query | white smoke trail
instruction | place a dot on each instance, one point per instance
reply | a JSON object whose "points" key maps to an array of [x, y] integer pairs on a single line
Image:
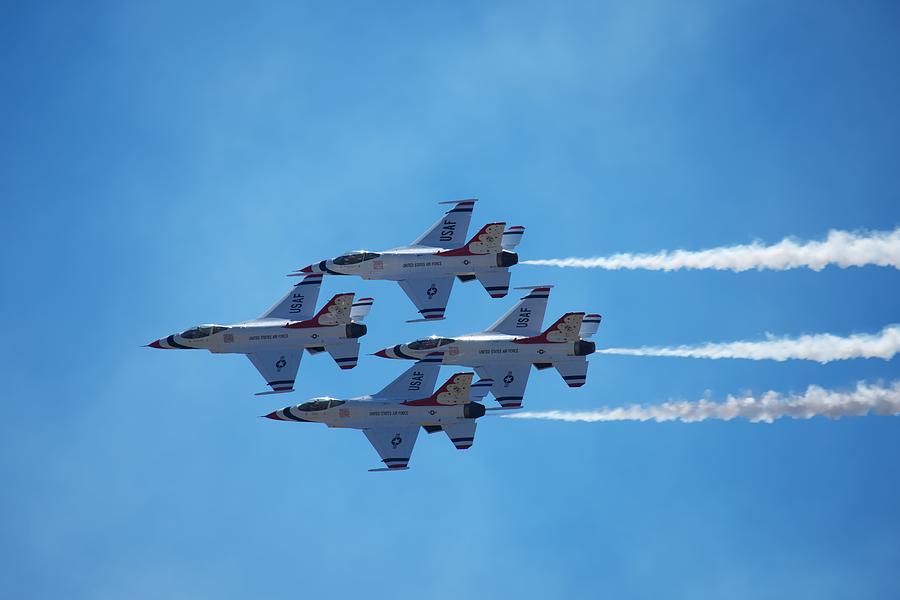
{"points": [[822, 348], [841, 248], [815, 401]]}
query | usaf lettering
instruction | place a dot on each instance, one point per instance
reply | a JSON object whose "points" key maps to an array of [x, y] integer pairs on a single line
{"points": [[415, 383], [524, 317], [296, 302], [447, 229]]}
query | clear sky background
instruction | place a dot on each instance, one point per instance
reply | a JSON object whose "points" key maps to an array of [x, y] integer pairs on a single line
{"points": [[165, 164]]}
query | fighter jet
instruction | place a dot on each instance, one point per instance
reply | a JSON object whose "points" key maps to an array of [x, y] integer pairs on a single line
{"points": [[391, 418], [426, 268], [506, 350], [275, 340]]}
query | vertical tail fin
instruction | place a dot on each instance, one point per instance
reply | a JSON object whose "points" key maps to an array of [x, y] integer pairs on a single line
{"points": [[416, 381], [450, 230], [526, 317]]}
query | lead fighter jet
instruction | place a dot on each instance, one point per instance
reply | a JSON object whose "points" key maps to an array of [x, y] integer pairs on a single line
{"points": [[275, 340], [506, 350], [426, 268], [391, 418]]}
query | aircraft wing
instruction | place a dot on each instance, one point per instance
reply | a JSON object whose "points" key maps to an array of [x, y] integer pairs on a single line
{"points": [[430, 295], [451, 229], [299, 304], [278, 368], [461, 434], [510, 380], [574, 372], [393, 444]]}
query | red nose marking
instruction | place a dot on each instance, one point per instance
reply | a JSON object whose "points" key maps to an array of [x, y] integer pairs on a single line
{"points": [[155, 344], [382, 353], [306, 269], [273, 415]]}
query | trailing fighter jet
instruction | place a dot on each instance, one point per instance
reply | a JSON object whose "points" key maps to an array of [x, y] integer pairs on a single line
{"points": [[275, 340], [506, 350], [426, 268], [391, 418]]}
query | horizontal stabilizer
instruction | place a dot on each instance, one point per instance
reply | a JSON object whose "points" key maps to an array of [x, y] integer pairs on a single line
{"points": [[360, 309], [589, 325], [461, 434], [496, 283], [345, 354], [511, 237], [481, 388], [383, 470], [573, 372]]}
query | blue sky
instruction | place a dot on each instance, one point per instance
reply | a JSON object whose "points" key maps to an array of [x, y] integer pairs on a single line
{"points": [[166, 164]]}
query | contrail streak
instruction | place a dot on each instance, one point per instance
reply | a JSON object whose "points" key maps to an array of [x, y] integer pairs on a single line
{"points": [[822, 348], [815, 401], [841, 248]]}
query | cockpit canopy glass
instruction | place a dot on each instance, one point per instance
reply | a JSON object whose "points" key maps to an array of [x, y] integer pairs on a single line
{"points": [[355, 258], [202, 331], [429, 343], [320, 404]]}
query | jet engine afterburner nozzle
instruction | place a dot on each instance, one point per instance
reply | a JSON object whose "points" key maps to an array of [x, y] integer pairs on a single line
{"points": [[473, 410], [507, 258], [356, 330], [584, 348]]}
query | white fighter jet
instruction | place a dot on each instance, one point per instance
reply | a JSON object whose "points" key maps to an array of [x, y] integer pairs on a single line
{"points": [[391, 418], [506, 350], [275, 340], [426, 268]]}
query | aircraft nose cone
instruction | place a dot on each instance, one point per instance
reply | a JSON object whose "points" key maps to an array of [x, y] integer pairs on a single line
{"points": [[307, 269], [273, 415], [155, 344], [382, 353]]}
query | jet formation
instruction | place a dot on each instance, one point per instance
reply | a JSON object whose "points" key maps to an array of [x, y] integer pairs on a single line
{"points": [[502, 354]]}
